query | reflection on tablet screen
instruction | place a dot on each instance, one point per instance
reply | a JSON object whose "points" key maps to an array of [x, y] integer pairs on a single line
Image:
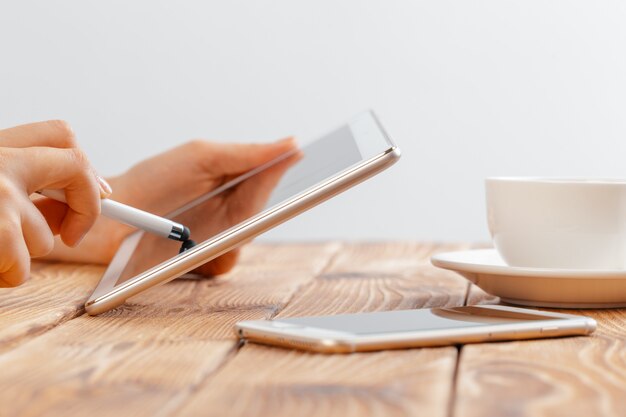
{"points": [[259, 190]]}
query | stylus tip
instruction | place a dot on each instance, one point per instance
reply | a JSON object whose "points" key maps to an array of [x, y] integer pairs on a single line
{"points": [[186, 233], [187, 244]]}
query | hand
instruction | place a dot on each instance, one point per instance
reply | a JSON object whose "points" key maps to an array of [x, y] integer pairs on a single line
{"points": [[35, 157], [167, 181], [213, 214]]}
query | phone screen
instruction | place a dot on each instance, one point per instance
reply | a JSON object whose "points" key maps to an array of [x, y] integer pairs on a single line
{"points": [[414, 320]]}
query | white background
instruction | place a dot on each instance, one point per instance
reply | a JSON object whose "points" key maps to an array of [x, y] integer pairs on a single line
{"points": [[468, 89]]}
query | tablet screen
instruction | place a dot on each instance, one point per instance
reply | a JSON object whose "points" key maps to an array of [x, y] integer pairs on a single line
{"points": [[261, 189]]}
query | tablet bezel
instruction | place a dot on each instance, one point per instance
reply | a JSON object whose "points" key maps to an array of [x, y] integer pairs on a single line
{"points": [[370, 138]]}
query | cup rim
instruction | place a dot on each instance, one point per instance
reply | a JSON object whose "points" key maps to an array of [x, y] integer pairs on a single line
{"points": [[560, 180]]}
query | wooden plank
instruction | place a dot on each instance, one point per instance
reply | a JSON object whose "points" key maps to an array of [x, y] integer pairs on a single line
{"points": [[262, 284], [266, 381], [378, 277], [477, 296], [574, 376], [263, 381], [54, 294], [146, 357]]}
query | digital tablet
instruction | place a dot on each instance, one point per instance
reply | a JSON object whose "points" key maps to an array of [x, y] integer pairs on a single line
{"points": [[275, 192]]}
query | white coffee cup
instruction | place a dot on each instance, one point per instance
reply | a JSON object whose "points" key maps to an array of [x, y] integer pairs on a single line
{"points": [[558, 223]]}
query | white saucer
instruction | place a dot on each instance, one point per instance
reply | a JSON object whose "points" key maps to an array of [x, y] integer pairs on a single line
{"points": [[561, 288]]}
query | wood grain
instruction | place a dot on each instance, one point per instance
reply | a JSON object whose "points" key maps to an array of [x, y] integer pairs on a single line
{"points": [[266, 381], [574, 376], [378, 277], [477, 296], [147, 356], [55, 293], [170, 351], [263, 381]]}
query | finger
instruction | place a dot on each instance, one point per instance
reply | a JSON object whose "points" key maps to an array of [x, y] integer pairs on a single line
{"points": [[237, 158], [52, 133], [105, 188], [53, 212], [252, 195], [256, 191], [68, 170], [14, 259], [190, 166], [37, 234], [219, 265]]}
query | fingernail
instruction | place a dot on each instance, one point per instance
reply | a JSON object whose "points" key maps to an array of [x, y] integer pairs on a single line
{"points": [[80, 239], [286, 140], [105, 188]]}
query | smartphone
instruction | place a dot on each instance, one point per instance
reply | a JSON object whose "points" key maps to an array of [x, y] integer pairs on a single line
{"points": [[347, 333]]}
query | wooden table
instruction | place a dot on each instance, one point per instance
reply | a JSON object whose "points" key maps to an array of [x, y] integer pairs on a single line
{"points": [[171, 351]]}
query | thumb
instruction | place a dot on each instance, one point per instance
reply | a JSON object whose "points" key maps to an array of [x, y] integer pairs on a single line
{"points": [[237, 158]]}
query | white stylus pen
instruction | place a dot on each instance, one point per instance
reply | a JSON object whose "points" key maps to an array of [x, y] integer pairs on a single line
{"points": [[133, 217]]}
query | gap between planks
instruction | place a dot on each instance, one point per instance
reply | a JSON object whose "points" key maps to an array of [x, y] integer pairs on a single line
{"points": [[139, 356], [264, 380], [571, 376], [55, 294], [172, 407]]}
